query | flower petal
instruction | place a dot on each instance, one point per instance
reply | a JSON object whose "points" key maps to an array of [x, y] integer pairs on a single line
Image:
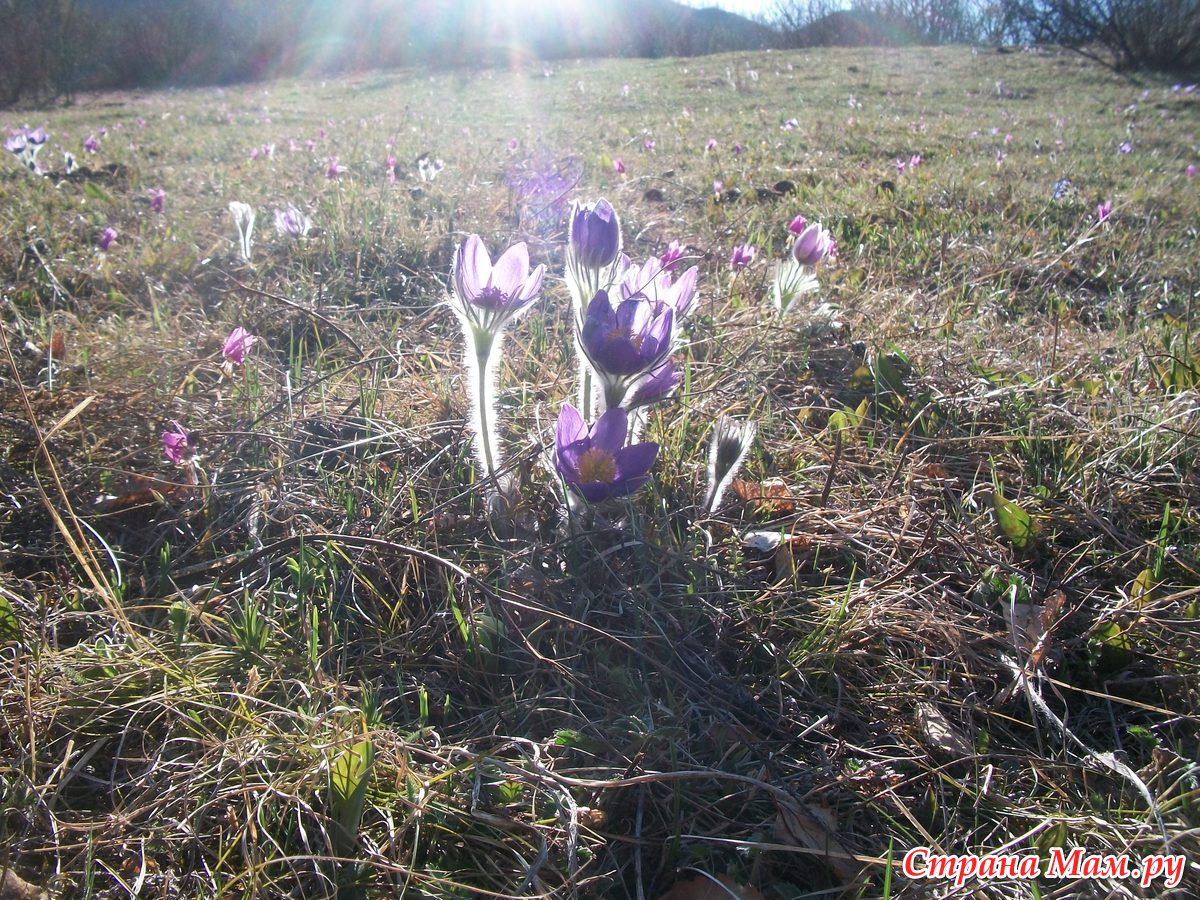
{"points": [[609, 432], [511, 269], [472, 268]]}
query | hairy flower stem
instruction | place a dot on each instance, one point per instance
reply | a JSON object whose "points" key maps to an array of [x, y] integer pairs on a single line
{"points": [[484, 347]]}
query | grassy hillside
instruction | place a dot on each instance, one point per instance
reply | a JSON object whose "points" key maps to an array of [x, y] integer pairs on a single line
{"points": [[953, 602]]}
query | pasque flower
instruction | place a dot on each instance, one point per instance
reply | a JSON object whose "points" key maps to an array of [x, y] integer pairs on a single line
{"points": [[486, 298], [595, 462], [158, 200], [237, 345], [291, 222], [727, 448], [653, 280], [1103, 210], [243, 218], [107, 238], [595, 235], [624, 343], [813, 244], [672, 255], [797, 225], [175, 443], [742, 256]]}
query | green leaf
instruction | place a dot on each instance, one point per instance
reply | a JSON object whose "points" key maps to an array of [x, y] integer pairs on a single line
{"points": [[1018, 526], [1141, 591], [96, 192], [349, 776], [1112, 648], [10, 629]]}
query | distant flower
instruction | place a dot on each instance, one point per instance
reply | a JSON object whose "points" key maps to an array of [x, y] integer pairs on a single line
{"points": [[1001, 156], [1103, 210], [648, 144], [291, 222], [671, 256], [107, 237], [618, 167], [253, 154], [900, 167], [594, 462], [1008, 138], [737, 149], [428, 168], [914, 161], [237, 345], [625, 90], [243, 218], [742, 256], [293, 145], [513, 144], [1191, 170], [653, 280], [1126, 147], [91, 145], [69, 162], [718, 187], [335, 169], [727, 447], [797, 224], [390, 169], [813, 245], [791, 125], [176, 445], [1062, 188], [852, 102], [16, 144], [711, 145], [158, 200]]}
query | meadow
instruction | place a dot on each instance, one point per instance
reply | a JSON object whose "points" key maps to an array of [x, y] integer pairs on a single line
{"points": [[951, 600]]}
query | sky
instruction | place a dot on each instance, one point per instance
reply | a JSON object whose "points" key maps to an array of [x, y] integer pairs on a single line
{"points": [[745, 7]]}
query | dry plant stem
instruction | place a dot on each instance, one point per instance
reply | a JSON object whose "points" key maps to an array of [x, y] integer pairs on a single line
{"points": [[78, 542]]}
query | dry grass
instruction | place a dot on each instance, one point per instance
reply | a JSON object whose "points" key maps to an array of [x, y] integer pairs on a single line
{"points": [[191, 670]]}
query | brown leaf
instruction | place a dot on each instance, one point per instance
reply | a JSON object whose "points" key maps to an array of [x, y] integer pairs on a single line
{"points": [[813, 827], [14, 887], [940, 734], [771, 497], [143, 491], [709, 887]]}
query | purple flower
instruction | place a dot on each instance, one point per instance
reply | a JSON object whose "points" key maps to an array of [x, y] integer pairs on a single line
{"points": [[176, 445], [595, 234], [671, 256], [158, 200], [1008, 138], [1126, 147], [91, 145], [1191, 170], [1103, 210], [654, 281], [648, 144], [629, 339], [237, 345], [513, 144], [914, 161], [657, 385], [16, 144], [742, 256], [107, 237], [710, 145], [718, 186], [737, 149], [618, 167], [813, 244], [291, 222], [335, 169], [37, 136], [491, 295], [791, 125], [797, 224], [899, 167], [594, 462]]}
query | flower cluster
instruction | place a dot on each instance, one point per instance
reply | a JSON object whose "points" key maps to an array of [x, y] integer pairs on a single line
{"points": [[797, 274], [25, 145]]}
